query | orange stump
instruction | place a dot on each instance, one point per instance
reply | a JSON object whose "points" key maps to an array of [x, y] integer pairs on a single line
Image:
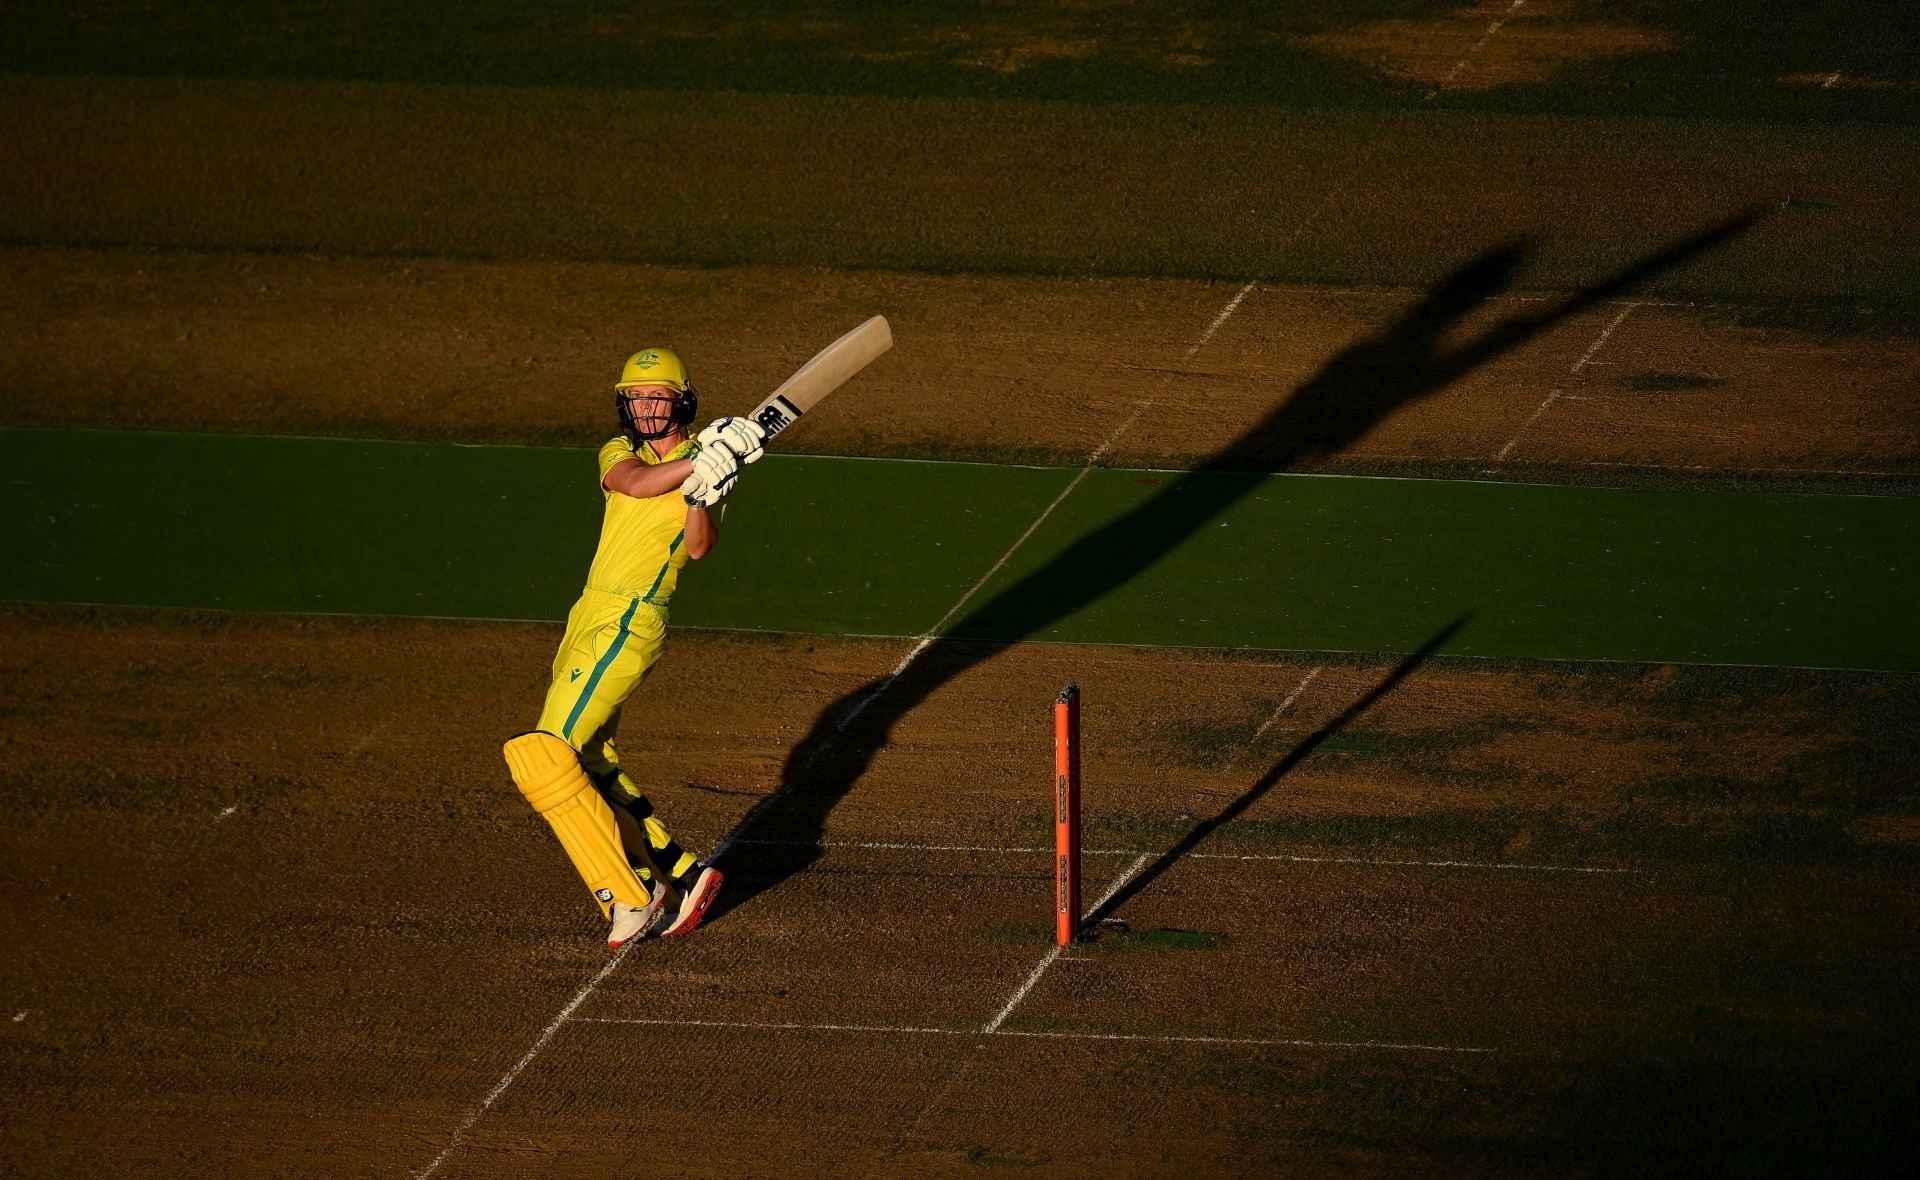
{"points": [[1066, 813]]}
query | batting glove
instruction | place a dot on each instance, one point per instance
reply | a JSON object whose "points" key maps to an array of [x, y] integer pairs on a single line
{"points": [[709, 499], [695, 492], [744, 437], [717, 468]]}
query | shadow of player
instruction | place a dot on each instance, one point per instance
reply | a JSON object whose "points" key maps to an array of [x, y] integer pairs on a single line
{"points": [[1357, 389]]}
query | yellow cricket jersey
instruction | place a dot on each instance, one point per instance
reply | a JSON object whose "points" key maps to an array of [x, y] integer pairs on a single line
{"points": [[642, 542]]}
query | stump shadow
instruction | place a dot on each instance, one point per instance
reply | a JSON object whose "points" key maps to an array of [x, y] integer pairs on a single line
{"points": [[1294, 757]]}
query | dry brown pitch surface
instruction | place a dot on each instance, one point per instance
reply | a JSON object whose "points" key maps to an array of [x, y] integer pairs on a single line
{"points": [[990, 368], [276, 910]]}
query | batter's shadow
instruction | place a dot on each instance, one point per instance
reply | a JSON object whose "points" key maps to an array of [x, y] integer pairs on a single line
{"points": [[1410, 360]]}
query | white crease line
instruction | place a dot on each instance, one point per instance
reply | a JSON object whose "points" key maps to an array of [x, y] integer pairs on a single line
{"points": [[926, 641], [1193, 350], [1586, 358], [1020, 993], [1232, 306], [1047, 961], [546, 1035], [1036, 850], [1099, 451], [926, 638], [1422, 864], [1741, 471], [897, 846], [1300, 1043], [1032, 1034], [780, 1025], [1485, 37], [1617, 302], [1291, 697], [988, 576], [1391, 457]]}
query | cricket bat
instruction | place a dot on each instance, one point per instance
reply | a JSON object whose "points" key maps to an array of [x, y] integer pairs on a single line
{"points": [[827, 371]]}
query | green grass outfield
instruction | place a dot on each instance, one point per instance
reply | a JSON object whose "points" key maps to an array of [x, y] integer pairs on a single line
{"points": [[885, 547]]}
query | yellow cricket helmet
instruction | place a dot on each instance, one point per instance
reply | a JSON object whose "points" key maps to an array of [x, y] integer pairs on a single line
{"points": [[656, 366]]}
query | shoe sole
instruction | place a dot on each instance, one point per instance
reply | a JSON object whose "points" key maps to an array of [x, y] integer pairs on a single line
{"points": [[654, 908], [705, 889], [638, 934]]}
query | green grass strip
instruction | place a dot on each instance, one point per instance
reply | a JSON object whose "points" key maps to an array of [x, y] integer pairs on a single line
{"points": [[833, 545], [1332, 563], [383, 528]]}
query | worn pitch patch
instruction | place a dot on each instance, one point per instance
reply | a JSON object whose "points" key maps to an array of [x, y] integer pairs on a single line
{"points": [[1496, 43]]}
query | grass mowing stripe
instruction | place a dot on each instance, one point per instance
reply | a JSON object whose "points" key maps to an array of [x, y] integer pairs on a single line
{"points": [[1325, 563], [287, 524], [829, 545], [945, 186], [1683, 58]]}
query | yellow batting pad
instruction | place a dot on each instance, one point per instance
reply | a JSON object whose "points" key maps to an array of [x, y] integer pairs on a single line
{"points": [[549, 774]]}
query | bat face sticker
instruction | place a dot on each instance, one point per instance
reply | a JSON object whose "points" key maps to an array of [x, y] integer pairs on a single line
{"points": [[776, 417], [826, 372]]}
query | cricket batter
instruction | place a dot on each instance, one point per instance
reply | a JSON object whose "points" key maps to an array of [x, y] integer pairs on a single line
{"points": [[663, 503]]}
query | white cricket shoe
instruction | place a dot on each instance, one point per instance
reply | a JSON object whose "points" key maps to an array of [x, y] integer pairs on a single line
{"points": [[694, 902], [631, 922]]}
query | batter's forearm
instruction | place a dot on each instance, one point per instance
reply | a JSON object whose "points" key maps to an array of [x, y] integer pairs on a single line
{"points": [[702, 533], [644, 482]]}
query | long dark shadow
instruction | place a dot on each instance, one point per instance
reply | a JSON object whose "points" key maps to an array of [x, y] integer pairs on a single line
{"points": [[1355, 391], [1294, 757]]}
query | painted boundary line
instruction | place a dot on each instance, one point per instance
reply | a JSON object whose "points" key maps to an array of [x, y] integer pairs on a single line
{"points": [[1046, 960], [1573, 374], [926, 638], [925, 641], [1285, 858], [1033, 1034], [1454, 74], [1193, 350], [1419, 864], [1734, 472], [553, 1026], [1284, 705]]}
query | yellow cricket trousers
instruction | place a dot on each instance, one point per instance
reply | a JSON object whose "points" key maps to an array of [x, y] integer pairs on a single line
{"points": [[612, 642]]}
